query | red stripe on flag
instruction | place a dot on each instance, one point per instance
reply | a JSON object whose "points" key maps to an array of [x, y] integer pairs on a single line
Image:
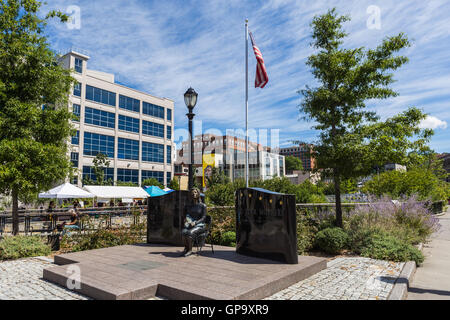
{"points": [[261, 77]]}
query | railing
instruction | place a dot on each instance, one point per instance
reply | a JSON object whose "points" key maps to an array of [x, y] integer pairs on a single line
{"points": [[42, 221]]}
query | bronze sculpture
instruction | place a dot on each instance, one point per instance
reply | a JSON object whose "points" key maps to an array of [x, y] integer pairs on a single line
{"points": [[194, 225]]}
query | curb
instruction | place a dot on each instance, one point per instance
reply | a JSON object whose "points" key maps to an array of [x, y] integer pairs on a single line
{"points": [[400, 289]]}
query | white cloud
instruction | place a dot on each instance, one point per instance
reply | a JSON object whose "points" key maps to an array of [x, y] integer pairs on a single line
{"points": [[431, 122]]}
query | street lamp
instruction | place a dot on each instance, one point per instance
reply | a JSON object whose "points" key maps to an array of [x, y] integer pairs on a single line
{"points": [[190, 99]]}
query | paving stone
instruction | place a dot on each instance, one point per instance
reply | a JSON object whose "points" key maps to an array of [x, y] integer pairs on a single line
{"points": [[22, 280], [352, 278]]}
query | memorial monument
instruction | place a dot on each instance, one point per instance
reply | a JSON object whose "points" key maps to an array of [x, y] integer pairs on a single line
{"points": [[266, 225]]}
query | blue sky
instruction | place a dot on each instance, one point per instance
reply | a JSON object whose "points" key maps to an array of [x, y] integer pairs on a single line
{"points": [[163, 47]]}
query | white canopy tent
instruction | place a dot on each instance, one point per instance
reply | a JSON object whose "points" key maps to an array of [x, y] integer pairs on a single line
{"points": [[66, 191], [117, 192]]}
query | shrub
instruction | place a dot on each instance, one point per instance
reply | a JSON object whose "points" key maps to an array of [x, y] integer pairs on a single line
{"points": [[228, 239], [332, 240], [223, 221], [409, 220], [103, 238], [387, 247], [16, 247]]}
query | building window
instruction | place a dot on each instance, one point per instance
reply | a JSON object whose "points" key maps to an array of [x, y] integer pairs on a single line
{"points": [[169, 132], [152, 110], [129, 103], [76, 138], [128, 175], [99, 117], [74, 180], [152, 152], [77, 89], [128, 149], [158, 175], [152, 129], [169, 114], [76, 112], [74, 159], [169, 154], [169, 177], [88, 172], [98, 143], [100, 95], [78, 65], [128, 124]]}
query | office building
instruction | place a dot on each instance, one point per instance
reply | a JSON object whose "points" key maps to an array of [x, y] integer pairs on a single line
{"points": [[133, 128], [303, 152], [230, 157]]}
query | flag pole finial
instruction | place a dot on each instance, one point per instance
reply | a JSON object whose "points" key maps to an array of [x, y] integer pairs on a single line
{"points": [[246, 20]]}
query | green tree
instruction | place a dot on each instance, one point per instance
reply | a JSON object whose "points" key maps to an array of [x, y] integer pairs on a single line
{"points": [[293, 163], [101, 163], [218, 176], [34, 118], [420, 181], [174, 185], [152, 182], [351, 140]]}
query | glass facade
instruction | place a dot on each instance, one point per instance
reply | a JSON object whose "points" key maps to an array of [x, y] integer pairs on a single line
{"points": [[98, 143], [152, 129], [128, 124], [128, 149], [99, 117], [77, 89], [78, 65], [152, 152], [158, 175], [169, 154], [100, 95], [76, 111], [129, 103], [128, 175], [76, 138], [74, 159], [152, 110], [88, 172]]}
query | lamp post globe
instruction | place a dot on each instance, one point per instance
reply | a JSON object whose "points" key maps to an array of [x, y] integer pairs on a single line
{"points": [[190, 99]]}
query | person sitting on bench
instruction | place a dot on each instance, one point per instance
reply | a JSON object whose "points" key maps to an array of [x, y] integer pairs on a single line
{"points": [[73, 224]]}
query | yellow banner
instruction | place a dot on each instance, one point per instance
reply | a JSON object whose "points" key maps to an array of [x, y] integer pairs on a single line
{"points": [[208, 164]]}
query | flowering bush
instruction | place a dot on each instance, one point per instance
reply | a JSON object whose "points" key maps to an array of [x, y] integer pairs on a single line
{"points": [[408, 220]]}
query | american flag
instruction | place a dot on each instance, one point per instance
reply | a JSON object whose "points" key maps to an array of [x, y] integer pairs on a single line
{"points": [[261, 77]]}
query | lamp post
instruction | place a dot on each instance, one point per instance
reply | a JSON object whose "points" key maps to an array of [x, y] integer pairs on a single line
{"points": [[190, 99]]}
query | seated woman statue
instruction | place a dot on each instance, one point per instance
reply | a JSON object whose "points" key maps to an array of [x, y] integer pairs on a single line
{"points": [[194, 222]]}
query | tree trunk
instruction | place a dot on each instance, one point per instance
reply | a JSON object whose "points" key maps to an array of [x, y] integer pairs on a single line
{"points": [[337, 194], [15, 212]]}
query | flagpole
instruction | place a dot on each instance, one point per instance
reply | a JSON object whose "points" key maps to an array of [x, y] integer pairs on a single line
{"points": [[246, 103]]}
